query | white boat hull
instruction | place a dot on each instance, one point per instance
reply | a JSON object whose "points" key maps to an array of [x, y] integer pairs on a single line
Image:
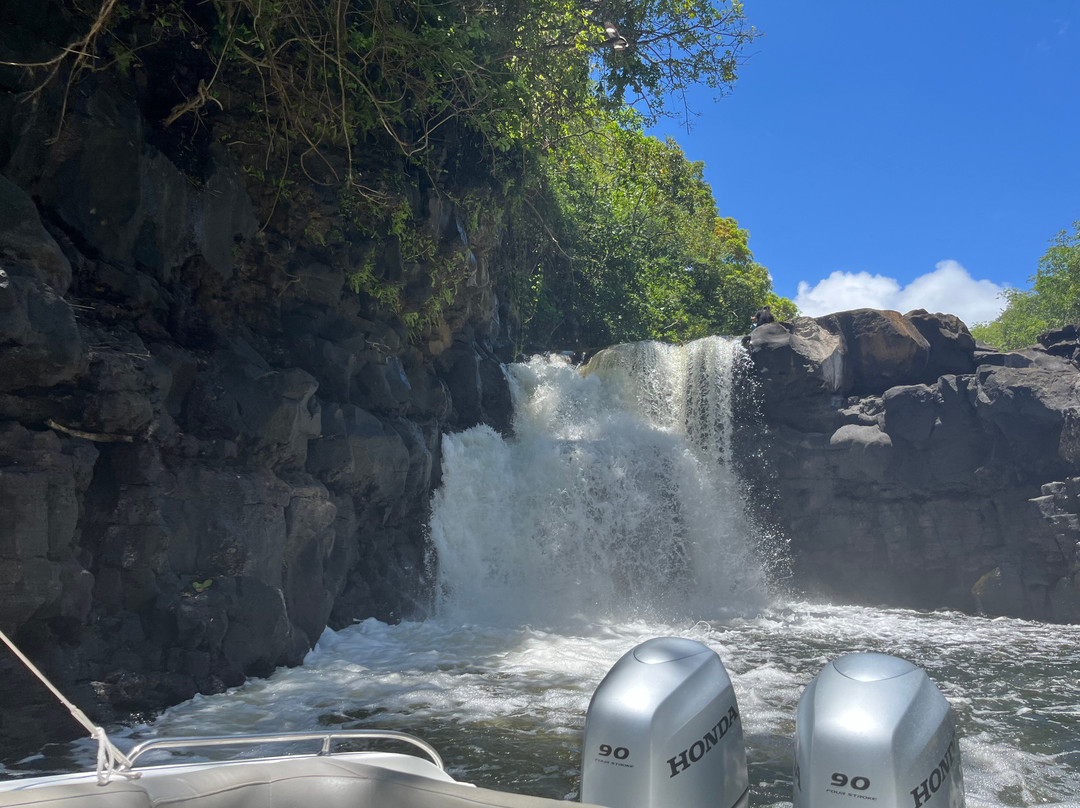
{"points": [[345, 780]]}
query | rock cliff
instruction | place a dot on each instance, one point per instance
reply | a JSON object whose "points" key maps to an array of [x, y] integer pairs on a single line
{"points": [[210, 446], [914, 467]]}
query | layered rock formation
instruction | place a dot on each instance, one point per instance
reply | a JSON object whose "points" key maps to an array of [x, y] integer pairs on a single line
{"points": [[210, 446], [913, 467]]}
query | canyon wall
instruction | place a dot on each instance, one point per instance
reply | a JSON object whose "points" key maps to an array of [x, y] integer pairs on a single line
{"points": [[211, 447], [910, 466]]}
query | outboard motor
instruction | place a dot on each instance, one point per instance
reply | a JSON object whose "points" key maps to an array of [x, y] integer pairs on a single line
{"points": [[663, 731], [873, 729]]}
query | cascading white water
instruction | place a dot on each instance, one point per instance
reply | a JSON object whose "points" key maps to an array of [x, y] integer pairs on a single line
{"points": [[615, 497]]}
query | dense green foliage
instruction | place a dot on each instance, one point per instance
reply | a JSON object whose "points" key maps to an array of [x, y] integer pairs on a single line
{"points": [[1052, 302], [515, 72], [533, 110], [637, 248]]}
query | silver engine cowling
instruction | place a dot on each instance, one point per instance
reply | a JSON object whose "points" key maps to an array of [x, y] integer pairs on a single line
{"points": [[663, 731], [873, 730]]}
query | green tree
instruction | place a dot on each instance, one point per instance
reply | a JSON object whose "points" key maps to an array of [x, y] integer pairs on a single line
{"points": [[782, 308], [1052, 301], [532, 107], [516, 72], [1057, 282], [335, 73], [630, 246]]}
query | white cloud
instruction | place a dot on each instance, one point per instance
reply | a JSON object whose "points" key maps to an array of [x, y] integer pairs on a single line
{"points": [[949, 289]]}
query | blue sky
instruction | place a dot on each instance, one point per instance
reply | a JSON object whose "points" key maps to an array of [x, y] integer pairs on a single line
{"points": [[898, 154]]}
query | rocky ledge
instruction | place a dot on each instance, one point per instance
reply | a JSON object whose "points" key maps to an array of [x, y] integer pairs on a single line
{"points": [[914, 467]]}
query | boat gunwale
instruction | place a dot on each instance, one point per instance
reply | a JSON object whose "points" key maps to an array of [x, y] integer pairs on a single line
{"points": [[327, 738]]}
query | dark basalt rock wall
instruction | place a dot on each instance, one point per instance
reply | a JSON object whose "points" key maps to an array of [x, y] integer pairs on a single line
{"points": [[210, 447], [915, 468]]}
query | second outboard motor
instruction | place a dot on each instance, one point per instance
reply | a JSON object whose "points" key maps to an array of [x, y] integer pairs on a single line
{"points": [[663, 731], [873, 729]]}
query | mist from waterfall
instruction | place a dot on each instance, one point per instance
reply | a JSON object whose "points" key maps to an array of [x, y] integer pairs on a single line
{"points": [[615, 497]]}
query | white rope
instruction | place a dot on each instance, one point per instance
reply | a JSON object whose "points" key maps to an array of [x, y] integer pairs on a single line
{"points": [[110, 760]]}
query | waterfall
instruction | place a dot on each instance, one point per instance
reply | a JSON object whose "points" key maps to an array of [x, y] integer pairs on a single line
{"points": [[615, 498]]}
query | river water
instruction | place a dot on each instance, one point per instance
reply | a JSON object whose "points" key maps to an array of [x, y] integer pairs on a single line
{"points": [[614, 516]]}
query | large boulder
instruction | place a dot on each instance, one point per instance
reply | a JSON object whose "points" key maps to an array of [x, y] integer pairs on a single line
{"points": [[804, 371], [883, 348], [40, 343], [359, 453], [808, 365], [270, 412], [226, 567], [1034, 411], [938, 478], [952, 348], [1063, 342], [478, 389], [936, 428]]}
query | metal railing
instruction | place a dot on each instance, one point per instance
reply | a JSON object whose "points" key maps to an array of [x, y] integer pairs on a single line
{"points": [[327, 739]]}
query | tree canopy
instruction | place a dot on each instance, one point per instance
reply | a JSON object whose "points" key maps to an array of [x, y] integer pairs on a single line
{"points": [[637, 250], [1052, 301], [543, 103]]}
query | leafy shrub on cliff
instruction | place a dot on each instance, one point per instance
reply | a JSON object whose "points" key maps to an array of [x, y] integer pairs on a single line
{"points": [[637, 248], [1052, 302], [378, 103]]}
